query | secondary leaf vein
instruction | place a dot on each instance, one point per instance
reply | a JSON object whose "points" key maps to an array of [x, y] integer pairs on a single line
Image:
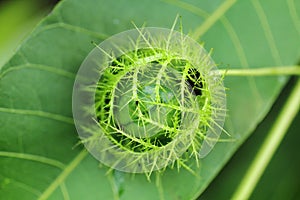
{"points": [[50, 69], [294, 15], [73, 28], [63, 175], [268, 33], [32, 157], [38, 113], [213, 18]]}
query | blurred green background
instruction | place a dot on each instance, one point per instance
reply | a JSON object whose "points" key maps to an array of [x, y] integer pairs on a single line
{"points": [[281, 180], [17, 19]]}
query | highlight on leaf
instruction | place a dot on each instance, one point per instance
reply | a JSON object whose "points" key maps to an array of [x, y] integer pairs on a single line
{"points": [[146, 99]]}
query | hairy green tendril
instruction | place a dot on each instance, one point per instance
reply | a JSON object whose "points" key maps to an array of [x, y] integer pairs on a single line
{"points": [[147, 98]]}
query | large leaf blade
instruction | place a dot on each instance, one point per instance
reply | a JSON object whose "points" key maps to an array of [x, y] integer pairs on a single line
{"points": [[36, 86]]}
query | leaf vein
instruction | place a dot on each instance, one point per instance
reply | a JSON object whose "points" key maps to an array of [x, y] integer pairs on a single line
{"points": [[63, 175], [73, 28], [32, 157], [23, 186], [267, 30], [38, 113], [294, 15], [213, 18], [51, 69], [64, 191]]}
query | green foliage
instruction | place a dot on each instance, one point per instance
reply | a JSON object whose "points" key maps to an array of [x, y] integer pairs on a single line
{"points": [[38, 152]]}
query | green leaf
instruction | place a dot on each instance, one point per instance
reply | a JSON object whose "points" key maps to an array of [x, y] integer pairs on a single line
{"points": [[272, 185], [38, 152]]}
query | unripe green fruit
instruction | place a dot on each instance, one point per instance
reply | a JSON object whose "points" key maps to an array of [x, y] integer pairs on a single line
{"points": [[145, 97]]}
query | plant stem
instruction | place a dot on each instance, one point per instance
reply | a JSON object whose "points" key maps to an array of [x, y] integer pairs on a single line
{"points": [[270, 145], [270, 71]]}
